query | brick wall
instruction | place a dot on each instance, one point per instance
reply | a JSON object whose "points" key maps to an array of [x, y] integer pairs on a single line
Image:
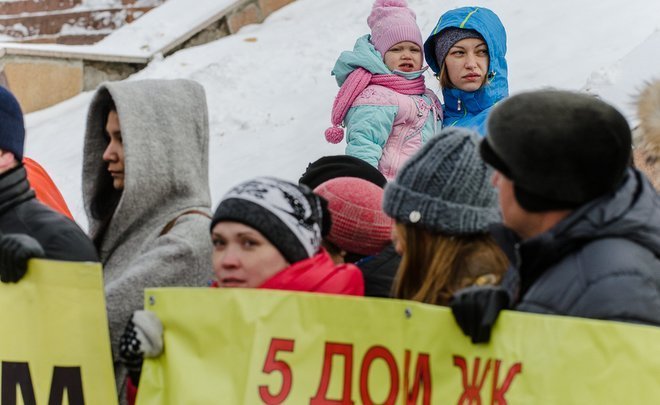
{"points": [[64, 21], [252, 12], [40, 81]]}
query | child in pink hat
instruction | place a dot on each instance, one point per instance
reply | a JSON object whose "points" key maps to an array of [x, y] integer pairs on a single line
{"points": [[387, 110]]}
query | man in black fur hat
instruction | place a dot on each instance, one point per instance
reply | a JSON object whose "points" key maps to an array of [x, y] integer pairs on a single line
{"points": [[581, 227]]}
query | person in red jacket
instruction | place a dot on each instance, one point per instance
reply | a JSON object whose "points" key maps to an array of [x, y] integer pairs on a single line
{"points": [[266, 233], [44, 188]]}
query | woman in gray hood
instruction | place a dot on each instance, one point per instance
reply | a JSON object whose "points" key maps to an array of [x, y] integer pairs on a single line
{"points": [[146, 192]]}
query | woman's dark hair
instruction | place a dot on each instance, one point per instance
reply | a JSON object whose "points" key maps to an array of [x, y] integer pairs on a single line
{"points": [[105, 200], [103, 204]]}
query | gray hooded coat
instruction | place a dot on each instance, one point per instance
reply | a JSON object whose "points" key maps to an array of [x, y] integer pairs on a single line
{"points": [[164, 126]]}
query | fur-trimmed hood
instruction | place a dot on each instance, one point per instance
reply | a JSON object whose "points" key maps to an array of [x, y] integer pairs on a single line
{"points": [[648, 110], [647, 152]]}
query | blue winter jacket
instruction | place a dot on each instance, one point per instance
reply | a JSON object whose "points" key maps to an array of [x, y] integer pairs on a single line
{"points": [[470, 109], [368, 127]]}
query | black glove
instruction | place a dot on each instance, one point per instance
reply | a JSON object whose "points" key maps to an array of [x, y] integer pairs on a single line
{"points": [[142, 337], [15, 251], [476, 309]]}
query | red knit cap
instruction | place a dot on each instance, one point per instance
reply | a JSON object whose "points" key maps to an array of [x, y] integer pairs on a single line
{"points": [[359, 224]]}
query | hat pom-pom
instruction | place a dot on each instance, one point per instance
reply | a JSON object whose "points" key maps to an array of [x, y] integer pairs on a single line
{"points": [[390, 3], [334, 134]]}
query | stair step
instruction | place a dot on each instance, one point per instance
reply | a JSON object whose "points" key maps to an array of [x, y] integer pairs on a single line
{"points": [[30, 6], [51, 23]]}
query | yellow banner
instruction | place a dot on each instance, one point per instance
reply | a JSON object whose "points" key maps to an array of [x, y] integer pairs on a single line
{"points": [[239, 346], [54, 344]]}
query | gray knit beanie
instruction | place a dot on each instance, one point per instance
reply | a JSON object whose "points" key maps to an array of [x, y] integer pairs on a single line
{"points": [[448, 38], [290, 216], [445, 187]]}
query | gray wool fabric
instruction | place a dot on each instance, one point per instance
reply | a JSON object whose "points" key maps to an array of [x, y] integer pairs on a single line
{"points": [[448, 37], [445, 187], [164, 125]]}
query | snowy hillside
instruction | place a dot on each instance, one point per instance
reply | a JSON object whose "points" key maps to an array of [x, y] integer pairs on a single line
{"points": [[269, 87]]}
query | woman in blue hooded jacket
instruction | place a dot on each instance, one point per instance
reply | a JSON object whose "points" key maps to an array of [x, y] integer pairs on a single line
{"points": [[466, 50]]}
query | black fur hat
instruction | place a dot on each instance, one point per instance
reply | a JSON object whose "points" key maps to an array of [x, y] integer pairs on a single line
{"points": [[561, 149], [330, 167]]}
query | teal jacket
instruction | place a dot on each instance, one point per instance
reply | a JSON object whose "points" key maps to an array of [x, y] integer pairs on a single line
{"points": [[384, 127], [470, 109]]}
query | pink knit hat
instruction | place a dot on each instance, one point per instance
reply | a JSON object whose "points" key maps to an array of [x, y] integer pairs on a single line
{"points": [[359, 224], [391, 22]]}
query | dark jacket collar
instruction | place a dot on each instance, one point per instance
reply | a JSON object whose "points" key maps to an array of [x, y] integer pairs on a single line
{"points": [[631, 212], [14, 188]]}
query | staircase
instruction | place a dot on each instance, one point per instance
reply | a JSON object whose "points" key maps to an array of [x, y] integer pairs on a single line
{"points": [[69, 22], [43, 74]]}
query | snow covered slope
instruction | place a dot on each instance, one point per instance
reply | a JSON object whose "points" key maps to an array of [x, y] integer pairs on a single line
{"points": [[269, 87]]}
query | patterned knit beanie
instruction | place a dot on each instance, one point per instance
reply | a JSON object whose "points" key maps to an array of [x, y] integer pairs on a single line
{"points": [[359, 224], [445, 187], [391, 22], [289, 216], [448, 38], [12, 129]]}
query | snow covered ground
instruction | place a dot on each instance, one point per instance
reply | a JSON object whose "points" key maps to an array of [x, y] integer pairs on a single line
{"points": [[270, 92]]}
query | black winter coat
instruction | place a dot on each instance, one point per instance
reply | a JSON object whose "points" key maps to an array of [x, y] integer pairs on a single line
{"points": [[20, 212], [379, 271], [601, 262]]}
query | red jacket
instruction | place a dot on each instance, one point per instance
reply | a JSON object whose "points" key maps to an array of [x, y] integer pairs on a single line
{"points": [[318, 274], [44, 187]]}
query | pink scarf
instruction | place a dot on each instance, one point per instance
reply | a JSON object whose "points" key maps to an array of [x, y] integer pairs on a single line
{"points": [[355, 83]]}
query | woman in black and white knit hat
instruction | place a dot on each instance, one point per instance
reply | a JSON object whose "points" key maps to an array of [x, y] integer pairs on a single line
{"points": [[443, 203], [266, 233]]}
